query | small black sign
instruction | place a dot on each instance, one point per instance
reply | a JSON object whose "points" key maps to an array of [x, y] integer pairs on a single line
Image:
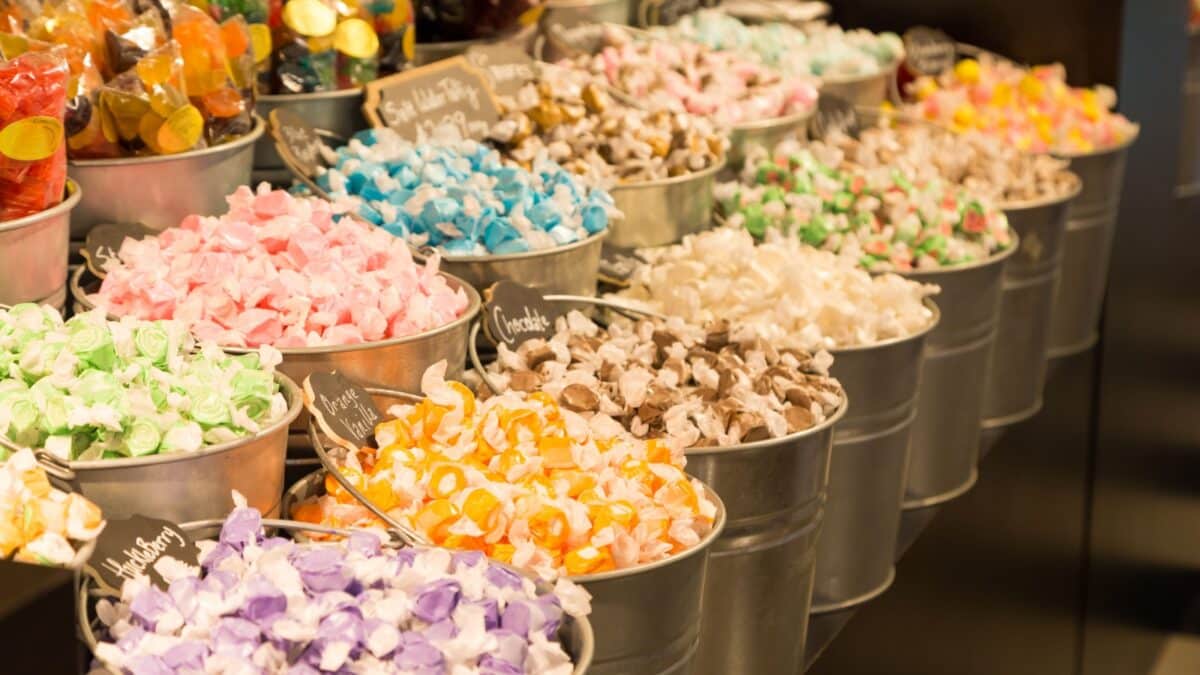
{"points": [[664, 12], [618, 263], [514, 313], [343, 410], [297, 141], [103, 243], [418, 101], [929, 51], [834, 114], [507, 67], [129, 547]]}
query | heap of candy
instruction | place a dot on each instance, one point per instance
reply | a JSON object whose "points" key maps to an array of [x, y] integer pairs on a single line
{"points": [[1033, 109], [270, 605], [96, 389], [279, 270], [700, 387], [878, 216], [795, 295], [568, 116], [145, 81], [689, 77], [524, 481], [37, 521], [822, 50], [33, 156], [459, 196]]}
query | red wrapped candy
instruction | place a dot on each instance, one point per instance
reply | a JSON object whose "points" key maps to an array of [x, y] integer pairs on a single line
{"points": [[33, 154]]}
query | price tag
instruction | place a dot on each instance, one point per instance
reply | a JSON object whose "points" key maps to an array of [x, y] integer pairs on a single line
{"points": [[928, 51], [834, 114], [343, 410], [617, 264], [665, 12], [514, 313], [129, 547], [418, 101], [103, 242], [299, 146], [507, 67]]}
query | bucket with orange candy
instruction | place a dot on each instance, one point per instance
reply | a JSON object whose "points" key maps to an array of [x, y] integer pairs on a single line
{"points": [[533, 484]]}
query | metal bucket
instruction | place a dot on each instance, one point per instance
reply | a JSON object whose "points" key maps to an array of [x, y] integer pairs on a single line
{"points": [[33, 253], [185, 486], [339, 112], [869, 91], [425, 53], [1087, 245], [568, 270], [160, 191], [866, 474], [760, 571], [397, 363], [575, 634], [1017, 370], [1188, 181], [571, 13], [765, 134], [661, 212], [944, 449]]}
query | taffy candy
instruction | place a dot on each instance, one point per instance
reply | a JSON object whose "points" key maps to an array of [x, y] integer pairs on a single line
{"points": [[699, 386], [1033, 109], [39, 523], [280, 270], [523, 480], [568, 116], [793, 294], [33, 151], [218, 69], [270, 605], [90, 388], [459, 196], [473, 19], [880, 216], [824, 50], [689, 77]]}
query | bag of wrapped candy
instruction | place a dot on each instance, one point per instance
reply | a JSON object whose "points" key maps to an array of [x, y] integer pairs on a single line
{"points": [[33, 156]]}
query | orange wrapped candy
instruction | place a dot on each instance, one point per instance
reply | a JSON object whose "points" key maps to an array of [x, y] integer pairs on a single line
{"points": [[33, 154]]}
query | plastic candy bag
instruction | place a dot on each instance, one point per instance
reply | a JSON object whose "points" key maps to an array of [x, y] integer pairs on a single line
{"points": [[33, 156]]}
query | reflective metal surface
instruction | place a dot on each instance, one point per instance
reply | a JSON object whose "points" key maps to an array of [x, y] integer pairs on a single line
{"points": [[339, 112], [661, 212], [33, 253], [568, 270], [765, 134], [570, 13], [865, 90]]}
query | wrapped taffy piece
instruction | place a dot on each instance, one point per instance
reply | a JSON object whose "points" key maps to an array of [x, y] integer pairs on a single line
{"points": [[716, 385], [39, 523], [523, 480]]}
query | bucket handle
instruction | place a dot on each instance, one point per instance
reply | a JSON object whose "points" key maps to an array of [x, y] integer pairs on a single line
{"points": [[57, 469], [627, 311]]}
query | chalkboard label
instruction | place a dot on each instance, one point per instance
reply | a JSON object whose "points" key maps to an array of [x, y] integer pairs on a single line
{"points": [[297, 141], [129, 547], [343, 410], [665, 12], [617, 264], [507, 67], [929, 51], [418, 101], [514, 313], [103, 243], [834, 114]]}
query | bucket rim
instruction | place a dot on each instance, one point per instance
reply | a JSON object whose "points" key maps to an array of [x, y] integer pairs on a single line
{"points": [[826, 425], [932, 274], [1051, 200], [245, 140], [1110, 150], [888, 70], [671, 180], [573, 4], [919, 335], [474, 304], [541, 253], [284, 99], [74, 194], [771, 123]]}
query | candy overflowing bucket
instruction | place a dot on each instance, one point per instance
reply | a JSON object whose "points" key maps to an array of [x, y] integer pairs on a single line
{"points": [[1018, 361], [569, 269], [660, 212], [33, 253], [159, 191], [339, 112], [1087, 245], [944, 449], [867, 471]]}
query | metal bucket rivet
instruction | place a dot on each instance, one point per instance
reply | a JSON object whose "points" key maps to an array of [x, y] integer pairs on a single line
{"points": [[160, 191], [1017, 370], [867, 471], [661, 212], [339, 112], [33, 253]]}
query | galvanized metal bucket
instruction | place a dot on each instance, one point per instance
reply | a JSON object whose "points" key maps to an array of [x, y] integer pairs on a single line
{"points": [[765, 134], [869, 91], [575, 634], [34, 251], [396, 363], [185, 486], [425, 53], [867, 471], [944, 449], [1018, 361], [160, 191], [559, 14], [761, 570], [661, 212], [339, 112], [569, 270], [1087, 247]]}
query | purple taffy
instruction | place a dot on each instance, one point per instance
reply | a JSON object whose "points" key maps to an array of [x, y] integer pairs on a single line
{"points": [[189, 654], [321, 569], [437, 600], [242, 527], [415, 652], [502, 577], [263, 601], [149, 606], [146, 664], [364, 543]]}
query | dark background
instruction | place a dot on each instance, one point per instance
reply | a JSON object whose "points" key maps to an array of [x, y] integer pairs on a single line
{"points": [[1079, 549]]}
